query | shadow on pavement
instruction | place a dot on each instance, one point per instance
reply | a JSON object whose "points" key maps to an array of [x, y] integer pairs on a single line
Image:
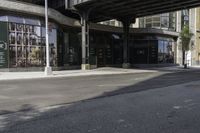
{"points": [[29, 119], [168, 79]]}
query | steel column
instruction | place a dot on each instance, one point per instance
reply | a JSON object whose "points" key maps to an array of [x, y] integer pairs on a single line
{"points": [[85, 40], [126, 29]]}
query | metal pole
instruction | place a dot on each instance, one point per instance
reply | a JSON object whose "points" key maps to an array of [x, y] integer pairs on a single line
{"points": [[48, 70], [85, 41], [126, 27]]}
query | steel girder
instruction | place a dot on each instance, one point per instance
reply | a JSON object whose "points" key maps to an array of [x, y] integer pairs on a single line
{"points": [[115, 9]]}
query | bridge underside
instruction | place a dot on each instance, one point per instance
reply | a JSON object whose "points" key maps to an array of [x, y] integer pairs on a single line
{"points": [[125, 11], [101, 10], [110, 9]]}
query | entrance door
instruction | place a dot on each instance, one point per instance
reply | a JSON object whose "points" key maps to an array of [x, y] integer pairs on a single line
{"points": [[100, 57], [141, 55]]}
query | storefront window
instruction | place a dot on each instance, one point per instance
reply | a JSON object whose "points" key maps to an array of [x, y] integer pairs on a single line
{"points": [[160, 52], [3, 18], [165, 51], [23, 40], [27, 43], [52, 44], [74, 48]]}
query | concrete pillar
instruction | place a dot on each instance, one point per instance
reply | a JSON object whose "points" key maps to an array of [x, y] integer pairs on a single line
{"points": [[85, 41], [197, 40], [179, 21], [192, 51], [179, 53], [126, 29]]}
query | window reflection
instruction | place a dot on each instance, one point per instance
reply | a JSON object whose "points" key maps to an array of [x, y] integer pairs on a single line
{"points": [[52, 44], [165, 52], [27, 43], [163, 21]]}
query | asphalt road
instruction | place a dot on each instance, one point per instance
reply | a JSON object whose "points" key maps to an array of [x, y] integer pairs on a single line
{"points": [[141, 103]]}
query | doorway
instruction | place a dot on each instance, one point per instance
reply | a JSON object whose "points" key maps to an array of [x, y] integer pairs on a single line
{"points": [[101, 57]]}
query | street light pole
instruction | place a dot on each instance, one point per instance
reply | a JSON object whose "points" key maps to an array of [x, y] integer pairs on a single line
{"points": [[198, 31], [48, 69]]}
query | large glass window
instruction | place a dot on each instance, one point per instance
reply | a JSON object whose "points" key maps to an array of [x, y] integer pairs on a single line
{"points": [[24, 45], [74, 48], [162, 21], [172, 21], [185, 18], [165, 51], [165, 20], [27, 43], [52, 44]]}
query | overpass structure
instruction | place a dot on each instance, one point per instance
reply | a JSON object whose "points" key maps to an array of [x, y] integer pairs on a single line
{"points": [[116, 9], [125, 11]]}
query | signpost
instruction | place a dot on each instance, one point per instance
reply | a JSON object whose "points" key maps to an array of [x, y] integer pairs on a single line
{"points": [[3, 55], [4, 45]]}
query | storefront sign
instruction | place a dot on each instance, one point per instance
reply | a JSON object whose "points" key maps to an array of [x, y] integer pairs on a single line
{"points": [[3, 55]]}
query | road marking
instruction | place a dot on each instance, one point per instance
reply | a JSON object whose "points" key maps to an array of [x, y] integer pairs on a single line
{"points": [[113, 85], [4, 97], [121, 121], [177, 107], [188, 100]]}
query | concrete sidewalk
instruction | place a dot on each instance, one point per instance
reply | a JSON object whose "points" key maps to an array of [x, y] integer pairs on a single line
{"points": [[99, 71], [69, 73]]}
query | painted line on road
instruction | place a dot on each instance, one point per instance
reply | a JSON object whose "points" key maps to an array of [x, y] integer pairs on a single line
{"points": [[113, 85]]}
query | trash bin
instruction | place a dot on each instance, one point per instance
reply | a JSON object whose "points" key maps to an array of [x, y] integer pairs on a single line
{"points": [[185, 66]]}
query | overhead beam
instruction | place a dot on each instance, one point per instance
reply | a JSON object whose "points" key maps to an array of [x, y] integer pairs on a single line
{"points": [[160, 8], [166, 10], [144, 9], [110, 9]]}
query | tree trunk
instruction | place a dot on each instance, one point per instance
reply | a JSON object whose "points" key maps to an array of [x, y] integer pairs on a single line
{"points": [[184, 62]]}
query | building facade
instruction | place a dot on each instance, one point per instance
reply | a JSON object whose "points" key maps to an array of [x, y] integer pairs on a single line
{"points": [[193, 56], [174, 21], [153, 40], [191, 18], [165, 46]]}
